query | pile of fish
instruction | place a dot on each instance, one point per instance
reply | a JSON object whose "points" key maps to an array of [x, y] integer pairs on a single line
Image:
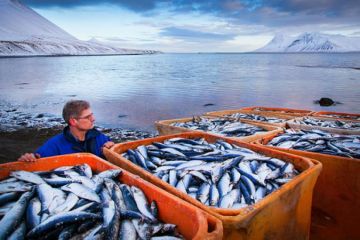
{"points": [[319, 141], [123, 135], [256, 117], [72, 203], [328, 123], [216, 174], [272, 110], [344, 116], [223, 126]]}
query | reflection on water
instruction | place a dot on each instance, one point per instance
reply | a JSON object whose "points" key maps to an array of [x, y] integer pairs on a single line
{"points": [[152, 87]]}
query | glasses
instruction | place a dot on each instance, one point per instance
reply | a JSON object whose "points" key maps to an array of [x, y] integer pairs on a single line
{"points": [[88, 117]]}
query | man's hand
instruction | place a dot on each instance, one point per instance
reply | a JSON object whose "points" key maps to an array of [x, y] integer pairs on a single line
{"points": [[29, 157], [108, 144]]}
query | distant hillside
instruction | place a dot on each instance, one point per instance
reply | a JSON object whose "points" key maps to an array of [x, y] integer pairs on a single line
{"points": [[312, 42], [23, 32]]}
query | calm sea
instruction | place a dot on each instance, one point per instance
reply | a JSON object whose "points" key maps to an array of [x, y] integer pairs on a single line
{"points": [[135, 91]]}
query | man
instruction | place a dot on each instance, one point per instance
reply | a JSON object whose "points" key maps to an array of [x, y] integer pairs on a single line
{"points": [[78, 136]]}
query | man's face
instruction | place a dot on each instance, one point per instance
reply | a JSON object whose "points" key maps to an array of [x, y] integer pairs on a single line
{"points": [[86, 120]]}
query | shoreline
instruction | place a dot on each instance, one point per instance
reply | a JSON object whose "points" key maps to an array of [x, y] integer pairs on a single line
{"points": [[24, 132], [17, 142]]}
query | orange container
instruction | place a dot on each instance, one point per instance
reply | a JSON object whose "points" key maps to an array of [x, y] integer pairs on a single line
{"points": [[287, 111], [296, 125], [164, 128], [192, 223], [227, 113], [336, 204], [338, 115], [283, 214]]}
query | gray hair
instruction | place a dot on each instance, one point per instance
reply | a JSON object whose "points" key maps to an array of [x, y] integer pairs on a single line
{"points": [[73, 109]]}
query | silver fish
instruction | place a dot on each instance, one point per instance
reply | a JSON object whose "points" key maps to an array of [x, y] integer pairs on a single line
{"points": [[17, 186], [141, 202], [27, 177], [13, 218], [127, 231], [82, 191]]}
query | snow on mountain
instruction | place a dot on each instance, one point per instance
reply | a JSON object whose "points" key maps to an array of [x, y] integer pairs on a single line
{"points": [[312, 42], [23, 32]]}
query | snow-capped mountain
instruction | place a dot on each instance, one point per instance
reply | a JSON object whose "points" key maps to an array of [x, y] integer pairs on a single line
{"points": [[23, 32], [312, 42]]}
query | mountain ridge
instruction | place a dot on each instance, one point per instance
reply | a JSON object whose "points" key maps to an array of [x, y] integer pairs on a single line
{"points": [[312, 42], [24, 32]]}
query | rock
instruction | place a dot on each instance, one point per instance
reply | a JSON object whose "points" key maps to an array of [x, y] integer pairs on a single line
{"points": [[325, 102], [208, 104]]}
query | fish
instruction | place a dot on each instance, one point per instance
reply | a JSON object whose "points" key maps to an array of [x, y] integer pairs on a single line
{"points": [[84, 170], [142, 228], [108, 209], [5, 208], [59, 181], [212, 172], [19, 233], [214, 195], [59, 220], [203, 192], [319, 141], [223, 126], [27, 177], [328, 123], [224, 184], [70, 202], [47, 196], [227, 201], [18, 186], [67, 232], [71, 212], [82, 191], [33, 213], [344, 116], [142, 203], [14, 217], [129, 199], [127, 230], [8, 197], [255, 117]]}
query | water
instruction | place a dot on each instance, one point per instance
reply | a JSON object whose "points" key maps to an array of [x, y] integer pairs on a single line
{"points": [[135, 91]]}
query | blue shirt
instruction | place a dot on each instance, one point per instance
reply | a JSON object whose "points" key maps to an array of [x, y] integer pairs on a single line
{"points": [[65, 143]]}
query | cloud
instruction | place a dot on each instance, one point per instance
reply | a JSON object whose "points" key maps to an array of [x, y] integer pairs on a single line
{"points": [[265, 12], [355, 34], [134, 5], [182, 33]]}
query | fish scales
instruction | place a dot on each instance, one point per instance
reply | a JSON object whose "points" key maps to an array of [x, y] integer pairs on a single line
{"points": [[209, 176], [77, 218], [327, 143], [227, 127]]}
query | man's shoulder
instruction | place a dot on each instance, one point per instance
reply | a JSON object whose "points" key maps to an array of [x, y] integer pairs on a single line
{"points": [[98, 134], [56, 138]]}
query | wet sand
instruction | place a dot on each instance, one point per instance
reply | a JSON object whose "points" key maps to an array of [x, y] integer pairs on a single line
{"points": [[22, 132], [13, 144]]}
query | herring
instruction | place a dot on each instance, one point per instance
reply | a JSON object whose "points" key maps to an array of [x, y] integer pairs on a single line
{"points": [[13, 218], [82, 191], [223, 167]]}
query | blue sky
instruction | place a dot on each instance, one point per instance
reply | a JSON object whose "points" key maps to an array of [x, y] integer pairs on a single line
{"points": [[198, 26]]}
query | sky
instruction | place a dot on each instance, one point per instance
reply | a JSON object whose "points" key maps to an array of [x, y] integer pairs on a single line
{"points": [[198, 26]]}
